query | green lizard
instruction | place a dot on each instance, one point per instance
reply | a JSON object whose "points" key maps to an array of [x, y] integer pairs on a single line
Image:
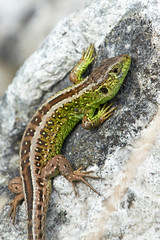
{"points": [[40, 158]]}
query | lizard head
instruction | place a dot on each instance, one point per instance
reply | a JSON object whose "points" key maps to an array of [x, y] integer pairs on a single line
{"points": [[108, 78]]}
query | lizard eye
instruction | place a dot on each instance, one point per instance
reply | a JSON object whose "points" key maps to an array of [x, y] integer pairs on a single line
{"points": [[115, 70], [104, 90]]}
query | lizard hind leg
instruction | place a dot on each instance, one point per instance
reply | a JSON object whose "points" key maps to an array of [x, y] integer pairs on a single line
{"points": [[60, 165], [15, 186], [77, 175]]}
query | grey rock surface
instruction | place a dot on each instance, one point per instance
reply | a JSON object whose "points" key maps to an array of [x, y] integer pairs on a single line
{"points": [[24, 26], [124, 151]]}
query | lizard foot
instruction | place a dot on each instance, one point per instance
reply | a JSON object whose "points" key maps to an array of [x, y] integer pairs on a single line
{"points": [[77, 175]]}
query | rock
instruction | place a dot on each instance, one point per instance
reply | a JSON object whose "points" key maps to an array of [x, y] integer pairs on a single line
{"points": [[24, 26], [124, 151]]}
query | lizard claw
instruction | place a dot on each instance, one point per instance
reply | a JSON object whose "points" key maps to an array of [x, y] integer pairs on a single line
{"points": [[18, 198], [79, 176], [12, 210]]}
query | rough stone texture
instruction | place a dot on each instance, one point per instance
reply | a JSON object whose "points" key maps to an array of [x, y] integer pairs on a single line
{"points": [[24, 26], [124, 151]]}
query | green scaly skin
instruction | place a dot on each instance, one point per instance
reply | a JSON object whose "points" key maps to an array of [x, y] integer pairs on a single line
{"points": [[85, 105], [43, 138]]}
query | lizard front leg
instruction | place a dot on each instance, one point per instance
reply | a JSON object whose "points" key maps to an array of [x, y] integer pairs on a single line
{"points": [[60, 165], [87, 58], [15, 186], [91, 120]]}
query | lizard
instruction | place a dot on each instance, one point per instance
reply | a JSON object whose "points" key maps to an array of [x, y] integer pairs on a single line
{"points": [[40, 158]]}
